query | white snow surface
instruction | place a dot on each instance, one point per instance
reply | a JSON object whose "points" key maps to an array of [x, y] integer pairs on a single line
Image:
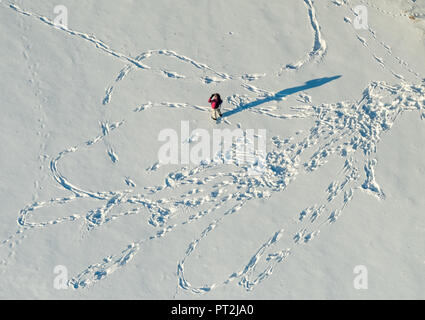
{"points": [[343, 184]]}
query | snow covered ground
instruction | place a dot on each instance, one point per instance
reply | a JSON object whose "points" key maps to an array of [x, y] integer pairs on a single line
{"points": [[88, 211]]}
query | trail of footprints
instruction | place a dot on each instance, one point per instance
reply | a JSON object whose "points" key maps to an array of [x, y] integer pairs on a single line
{"points": [[349, 130], [386, 48], [319, 46], [345, 129]]}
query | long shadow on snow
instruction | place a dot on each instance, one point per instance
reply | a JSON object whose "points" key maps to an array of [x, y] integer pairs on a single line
{"points": [[281, 94]]}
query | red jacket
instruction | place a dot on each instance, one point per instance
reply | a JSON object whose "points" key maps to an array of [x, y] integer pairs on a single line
{"points": [[214, 103]]}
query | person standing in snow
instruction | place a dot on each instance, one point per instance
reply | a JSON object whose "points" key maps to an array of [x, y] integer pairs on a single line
{"points": [[216, 102]]}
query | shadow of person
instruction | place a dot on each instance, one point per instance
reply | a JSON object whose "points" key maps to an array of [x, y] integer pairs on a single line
{"points": [[281, 94]]}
